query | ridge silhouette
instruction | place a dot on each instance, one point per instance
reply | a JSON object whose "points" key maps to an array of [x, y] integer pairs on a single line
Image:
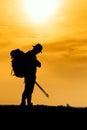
{"points": [[43, 117]]}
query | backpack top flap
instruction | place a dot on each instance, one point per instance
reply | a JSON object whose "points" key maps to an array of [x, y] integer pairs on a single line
{"points": [[18, 62]]}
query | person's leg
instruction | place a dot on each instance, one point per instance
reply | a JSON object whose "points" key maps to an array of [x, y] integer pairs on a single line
{"points": [[29, 86], [23, 102], [30, 91], [29, 100], [24, 94]]}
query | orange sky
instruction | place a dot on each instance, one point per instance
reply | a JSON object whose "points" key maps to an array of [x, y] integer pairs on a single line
{"points": [[63, 35]]}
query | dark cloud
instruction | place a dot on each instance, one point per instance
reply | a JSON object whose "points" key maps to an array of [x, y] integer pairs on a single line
{"points": [[4, 44], [66, 45], [66, 53]]}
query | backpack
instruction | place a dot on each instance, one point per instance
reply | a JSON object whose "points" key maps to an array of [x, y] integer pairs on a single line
{"points": [[18, 63]]}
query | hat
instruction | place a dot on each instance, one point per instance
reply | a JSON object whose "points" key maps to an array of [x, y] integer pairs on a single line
{"points": [[38, 46]]}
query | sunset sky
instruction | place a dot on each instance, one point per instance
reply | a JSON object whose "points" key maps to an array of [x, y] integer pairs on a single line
{"points": [[61, 27]]}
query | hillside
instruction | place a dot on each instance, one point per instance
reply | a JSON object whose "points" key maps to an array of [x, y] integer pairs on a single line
{"points": [[43, 116], [42, 110]]}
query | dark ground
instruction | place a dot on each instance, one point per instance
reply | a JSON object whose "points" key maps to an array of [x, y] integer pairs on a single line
{"points": [[43, 117]]}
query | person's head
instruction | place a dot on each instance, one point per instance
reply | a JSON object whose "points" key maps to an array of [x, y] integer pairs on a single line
{"points": [[37, 48]]}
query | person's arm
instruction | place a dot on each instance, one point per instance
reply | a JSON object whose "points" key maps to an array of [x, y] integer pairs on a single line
{"points": [[38, 63]]}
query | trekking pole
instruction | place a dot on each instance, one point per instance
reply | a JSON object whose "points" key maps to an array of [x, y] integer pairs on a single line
{"points": [[42, 89]]}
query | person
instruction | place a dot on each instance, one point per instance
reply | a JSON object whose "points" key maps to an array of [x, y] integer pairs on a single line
{"points": [[30, 74]]}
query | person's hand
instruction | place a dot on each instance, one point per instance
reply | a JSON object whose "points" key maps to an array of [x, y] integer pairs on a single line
{"points": [[39, 64]]}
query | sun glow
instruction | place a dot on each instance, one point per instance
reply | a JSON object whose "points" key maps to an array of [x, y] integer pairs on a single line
{"points": [[40, 10]]}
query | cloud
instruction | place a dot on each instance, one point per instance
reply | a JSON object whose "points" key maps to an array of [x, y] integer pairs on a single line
{"points": [[66, 59], [70, 47]]}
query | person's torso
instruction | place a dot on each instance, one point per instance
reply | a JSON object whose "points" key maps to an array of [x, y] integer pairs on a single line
{"points": [[30, 60]]}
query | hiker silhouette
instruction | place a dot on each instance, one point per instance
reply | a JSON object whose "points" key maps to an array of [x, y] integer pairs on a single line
{"points": [[30, 74]]}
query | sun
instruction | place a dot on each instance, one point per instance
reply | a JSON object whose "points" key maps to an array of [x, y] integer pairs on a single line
{"points": [[40, 10]]}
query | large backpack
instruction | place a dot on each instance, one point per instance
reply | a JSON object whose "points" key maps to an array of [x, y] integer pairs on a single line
{"points": [[18, 62]]}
